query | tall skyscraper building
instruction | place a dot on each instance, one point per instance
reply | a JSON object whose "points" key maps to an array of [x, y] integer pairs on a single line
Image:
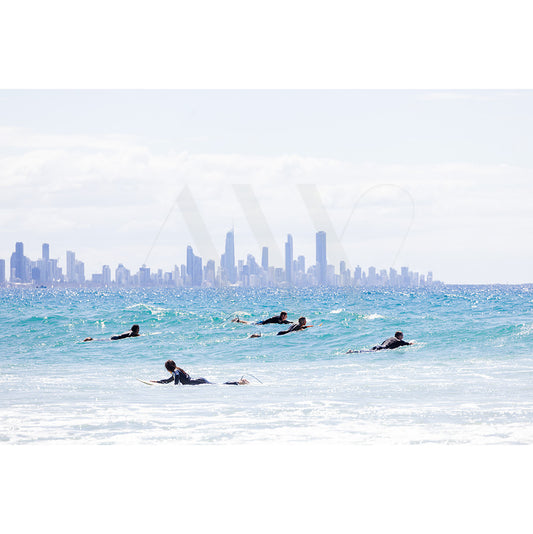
{"points": [[190, 261], [288, 260], [144, 276], [229, 258], [71, 266], [20, 265], [44, 264], [106, 275], [122, 275], [194, 268], [264, 259], [321, 261], [80, 272]]}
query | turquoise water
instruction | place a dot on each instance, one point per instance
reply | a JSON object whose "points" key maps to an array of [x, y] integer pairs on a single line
{"points": [[467, 380]]}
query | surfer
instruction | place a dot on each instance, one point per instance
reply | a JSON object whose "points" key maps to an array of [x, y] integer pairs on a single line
{"points": [[390, 343], [302, 325], [180, 376], [132, 332], [277, 319]]}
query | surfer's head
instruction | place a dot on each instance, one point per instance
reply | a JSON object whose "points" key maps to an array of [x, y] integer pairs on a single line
{"points": [[302, 321], [135, 329], [283, 316], [398, 335], [170, 366]]}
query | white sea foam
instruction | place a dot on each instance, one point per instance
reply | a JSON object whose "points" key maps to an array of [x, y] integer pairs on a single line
{"points": [[373, 316]]}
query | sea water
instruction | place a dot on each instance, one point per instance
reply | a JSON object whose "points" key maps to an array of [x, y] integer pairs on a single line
{"points": [[468, 378]]}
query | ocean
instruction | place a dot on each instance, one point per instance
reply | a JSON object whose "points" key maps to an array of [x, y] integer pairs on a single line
{"points": [[467, 380]]}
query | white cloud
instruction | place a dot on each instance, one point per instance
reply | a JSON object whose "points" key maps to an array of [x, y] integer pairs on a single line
{"points": [[107, 197]]}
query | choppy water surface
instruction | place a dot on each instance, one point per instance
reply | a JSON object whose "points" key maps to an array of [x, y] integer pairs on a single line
{"points": [[467, 380]]}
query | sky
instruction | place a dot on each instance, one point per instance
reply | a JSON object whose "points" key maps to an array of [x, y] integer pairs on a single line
{"points": [[435, 180]]}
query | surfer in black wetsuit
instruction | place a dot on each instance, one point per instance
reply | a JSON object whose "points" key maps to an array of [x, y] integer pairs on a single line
{"points": [[390, 343], [180, 376], [278, 319], [302, 325], [133, 332]]}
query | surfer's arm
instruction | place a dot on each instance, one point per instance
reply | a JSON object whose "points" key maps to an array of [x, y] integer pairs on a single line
{"points": [[164, 380], [121, 336]]}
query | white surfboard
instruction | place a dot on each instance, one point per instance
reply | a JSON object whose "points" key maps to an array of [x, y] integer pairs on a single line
{"points": [[148, 383]]}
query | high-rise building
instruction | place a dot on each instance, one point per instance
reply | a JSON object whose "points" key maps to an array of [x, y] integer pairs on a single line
{"points": [[321, 261], [289, 259], [194, 268], [404, 276], [197, 272], [79, 272], [144, 276], [106, 275], [44, 265], [264, 259], [71, 266], [122, 275], [2, 272], [230, 272], [301, 264], [20, 265], [190, 261]]}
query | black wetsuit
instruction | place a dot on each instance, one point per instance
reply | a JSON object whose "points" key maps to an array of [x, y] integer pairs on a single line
{"points": [[129, 333], [391, 343], [274, 320], [293, 328], [183, 378]]}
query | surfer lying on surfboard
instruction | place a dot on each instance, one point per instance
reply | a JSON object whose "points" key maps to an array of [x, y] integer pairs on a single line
{"points": [[180, 376], [133, 332], [302, 325], [278, 319], [390, 343]]}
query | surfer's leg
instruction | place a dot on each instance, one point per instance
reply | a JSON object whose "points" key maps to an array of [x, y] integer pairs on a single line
{"points": [[197, 381]]}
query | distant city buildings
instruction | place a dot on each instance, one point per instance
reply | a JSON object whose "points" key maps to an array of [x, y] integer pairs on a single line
{"points": [[46, 272]]}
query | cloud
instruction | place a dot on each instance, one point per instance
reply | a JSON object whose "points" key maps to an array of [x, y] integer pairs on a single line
{"points": [[113, 193]]}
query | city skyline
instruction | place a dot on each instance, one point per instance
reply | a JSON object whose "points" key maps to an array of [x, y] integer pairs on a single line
{"points": [[193, 273], [435, 179]]}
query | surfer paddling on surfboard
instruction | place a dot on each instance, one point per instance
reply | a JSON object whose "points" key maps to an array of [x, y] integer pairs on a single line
{"points": [[278, 319], [180, 376], [133, 332], [302, 325], [390, 343]]}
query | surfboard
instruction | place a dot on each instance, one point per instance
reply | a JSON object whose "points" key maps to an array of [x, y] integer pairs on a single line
{"points": [[148, 383]]}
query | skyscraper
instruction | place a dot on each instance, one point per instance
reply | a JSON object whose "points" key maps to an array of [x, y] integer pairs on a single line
{"points": [[44, 264], [19, 265], [288, 260], [71, 266], [194, 268], [2, 272], [321, 261], [106, 275], [264, 259], [190, 261], [144, 276], [229, 258]]}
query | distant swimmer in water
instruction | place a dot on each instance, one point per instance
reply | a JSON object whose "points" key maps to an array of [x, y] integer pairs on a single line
{"points": [[133, 332], [180, 376], [390, 343], [302, 325], [278, 319]]}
